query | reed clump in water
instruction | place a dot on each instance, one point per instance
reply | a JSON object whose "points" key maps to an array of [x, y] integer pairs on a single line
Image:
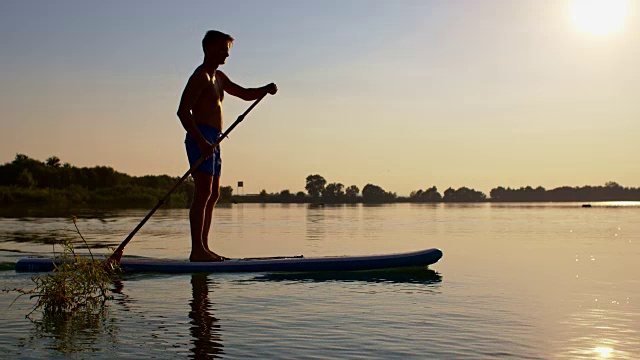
{"points": [[77, 282]]}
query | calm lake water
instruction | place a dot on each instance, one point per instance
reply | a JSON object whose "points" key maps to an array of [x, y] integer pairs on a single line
{"points": [[525, 281]]}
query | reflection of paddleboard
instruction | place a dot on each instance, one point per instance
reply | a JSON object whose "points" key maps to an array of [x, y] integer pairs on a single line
{"points": [[294, 263]]}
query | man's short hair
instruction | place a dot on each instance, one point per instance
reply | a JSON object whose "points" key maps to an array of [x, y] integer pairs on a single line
{"points": [[212, 36]]}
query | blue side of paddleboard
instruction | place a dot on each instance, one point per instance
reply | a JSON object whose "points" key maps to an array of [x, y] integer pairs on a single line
{"points": [[292, 264]]}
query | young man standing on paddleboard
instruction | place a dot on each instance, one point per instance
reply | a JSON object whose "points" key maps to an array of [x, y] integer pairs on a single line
{"points": [[200, 112]]}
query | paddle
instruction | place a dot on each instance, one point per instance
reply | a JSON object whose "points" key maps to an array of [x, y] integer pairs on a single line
{"points": [[117, 254]]}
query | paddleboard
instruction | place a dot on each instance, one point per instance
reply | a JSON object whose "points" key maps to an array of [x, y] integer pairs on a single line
{"points": [[271, 264]]}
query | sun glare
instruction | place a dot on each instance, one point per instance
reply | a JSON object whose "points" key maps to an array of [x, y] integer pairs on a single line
{"points": [[603, 352], [599, 16]]}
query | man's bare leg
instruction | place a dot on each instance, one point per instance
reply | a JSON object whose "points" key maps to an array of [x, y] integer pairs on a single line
{"points": [[208, 214], [202, 182]]}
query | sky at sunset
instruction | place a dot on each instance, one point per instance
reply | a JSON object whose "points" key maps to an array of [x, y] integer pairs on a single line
{"points": [[401, 94]]}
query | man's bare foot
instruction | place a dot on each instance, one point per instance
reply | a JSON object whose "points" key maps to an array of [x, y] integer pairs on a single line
{"points": [[216, 255], [206, 257]]}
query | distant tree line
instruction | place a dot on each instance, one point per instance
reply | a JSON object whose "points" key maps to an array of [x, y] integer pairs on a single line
{"points": [[318, 191], [611, 191], [26, 181]]}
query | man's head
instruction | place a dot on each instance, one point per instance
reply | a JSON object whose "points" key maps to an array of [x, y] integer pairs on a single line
{"points": [[216, 45]]}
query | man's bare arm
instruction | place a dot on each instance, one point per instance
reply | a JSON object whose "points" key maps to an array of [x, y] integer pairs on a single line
{"points": [[245, 93]]}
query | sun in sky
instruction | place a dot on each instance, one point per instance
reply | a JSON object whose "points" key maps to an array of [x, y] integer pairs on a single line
{"points": [[599, 16]]}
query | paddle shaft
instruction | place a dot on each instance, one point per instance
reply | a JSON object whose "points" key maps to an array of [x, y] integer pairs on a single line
{"points": [[118, 253]]}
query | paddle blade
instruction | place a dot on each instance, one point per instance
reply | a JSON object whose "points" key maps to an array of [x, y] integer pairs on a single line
{"points": [[113, 261]]}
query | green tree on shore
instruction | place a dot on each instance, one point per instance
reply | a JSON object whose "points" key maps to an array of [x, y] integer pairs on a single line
{"points": [[375, 194], [315, 185], [25, 179], [53, 162], [333, 193], [463, 194], [429, 195], [352, 193]]}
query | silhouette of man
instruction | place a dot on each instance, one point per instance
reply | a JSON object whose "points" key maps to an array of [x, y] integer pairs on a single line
{"points": [[200, 112]]}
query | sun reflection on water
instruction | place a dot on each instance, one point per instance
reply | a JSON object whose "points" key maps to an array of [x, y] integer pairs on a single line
{"points": [[606, 332], [603, 352], [618, 203]]}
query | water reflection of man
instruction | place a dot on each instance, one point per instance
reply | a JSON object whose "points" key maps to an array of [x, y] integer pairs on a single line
{"points": [[204, 330]]}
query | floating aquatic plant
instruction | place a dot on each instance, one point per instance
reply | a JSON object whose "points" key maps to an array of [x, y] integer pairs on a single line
{"points": [[77, 281]]}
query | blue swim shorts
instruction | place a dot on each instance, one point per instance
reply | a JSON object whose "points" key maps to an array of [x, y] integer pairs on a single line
{"points": [[213, 165]]}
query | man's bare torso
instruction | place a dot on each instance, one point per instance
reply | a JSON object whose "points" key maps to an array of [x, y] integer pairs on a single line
{"points": [[208, 107]]}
